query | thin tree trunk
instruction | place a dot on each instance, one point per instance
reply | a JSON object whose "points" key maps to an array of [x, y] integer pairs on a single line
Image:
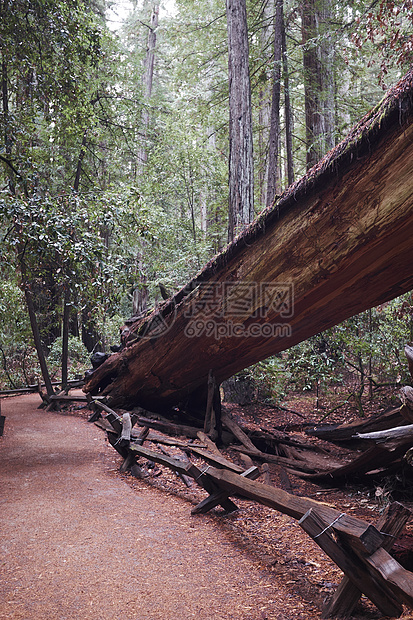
{"points": [[326, 59], [140, 293], [76, 182], [241, 167], [65, 338], [6, 116], [312, 83], [34, 325], [273, 184]]}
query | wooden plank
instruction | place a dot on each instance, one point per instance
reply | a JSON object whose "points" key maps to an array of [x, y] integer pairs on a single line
{"points": [[209, 444], [237, 431], [165, 440], [215, 459], [393, 573], [376, 589], [347, 595], [188, 469], [112, 417], [126, 429], [266, 472], [68, 397], [169, 427], [357, 531], [216, 498], [130, 464], [105, 425], [113, 439]]}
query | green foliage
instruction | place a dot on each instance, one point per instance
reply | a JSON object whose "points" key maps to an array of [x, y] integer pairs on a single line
{"points": [[18, 364], [272, 379], [362, 354], [81, 215], [79, 358]]}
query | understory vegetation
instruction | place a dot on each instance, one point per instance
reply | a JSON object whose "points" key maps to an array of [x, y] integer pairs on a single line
{"points": [[114, 180]]}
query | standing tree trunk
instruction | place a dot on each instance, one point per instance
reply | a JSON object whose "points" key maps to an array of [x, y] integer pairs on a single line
{"points": [[76, 182], [34, 324], [147, 83], [6, 116], [287, 109], [241, 167], [273, 185], [318, 79], [264, 113], [140, 293], [65, 338]]}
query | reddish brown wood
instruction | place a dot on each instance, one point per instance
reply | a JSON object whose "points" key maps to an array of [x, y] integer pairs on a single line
{"points": [[336, 243], [347, 595], [375, 587]]}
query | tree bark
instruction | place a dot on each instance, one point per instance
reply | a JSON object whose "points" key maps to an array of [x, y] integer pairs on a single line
{"points": [[241, 167], [5, 104], [65, 339], [273, 183], [338, 242], [147, 83], [288, 110], [35, 327], [318, 79]]}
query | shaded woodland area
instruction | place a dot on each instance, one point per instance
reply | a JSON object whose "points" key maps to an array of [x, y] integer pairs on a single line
{"points": [[152, 224]]}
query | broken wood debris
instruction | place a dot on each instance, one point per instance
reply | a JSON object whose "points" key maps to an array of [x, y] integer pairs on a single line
{"points": [[357, 547]]}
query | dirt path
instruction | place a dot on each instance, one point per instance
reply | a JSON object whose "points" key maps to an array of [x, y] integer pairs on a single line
{"points": [[76, 542]]}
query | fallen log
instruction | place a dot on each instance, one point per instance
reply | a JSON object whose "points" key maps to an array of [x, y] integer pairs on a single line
{"points": [[373, 461], [346, 432], [317, 467], [391, 437], [336, 243]]}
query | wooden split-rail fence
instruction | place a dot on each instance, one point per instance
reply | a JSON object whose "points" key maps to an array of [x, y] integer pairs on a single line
{"points": [[359, 549]]}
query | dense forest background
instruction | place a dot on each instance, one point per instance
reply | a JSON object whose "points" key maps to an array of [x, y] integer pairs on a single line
{"points": [[120, 166]]}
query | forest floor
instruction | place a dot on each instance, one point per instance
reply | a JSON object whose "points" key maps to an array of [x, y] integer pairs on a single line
{"points": [[80, 540]]}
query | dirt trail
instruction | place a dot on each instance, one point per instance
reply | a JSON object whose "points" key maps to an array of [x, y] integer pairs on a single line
{"points": [[77, 542]]}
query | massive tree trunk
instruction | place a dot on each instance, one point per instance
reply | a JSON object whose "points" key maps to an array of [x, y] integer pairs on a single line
{"points": [[241, 166], [337, 242]]}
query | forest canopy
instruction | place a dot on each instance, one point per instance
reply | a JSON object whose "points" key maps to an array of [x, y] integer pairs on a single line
{"points": [[118, 171]]}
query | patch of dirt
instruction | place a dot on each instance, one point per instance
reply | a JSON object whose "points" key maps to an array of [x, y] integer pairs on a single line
{"points": [[79, 539]]}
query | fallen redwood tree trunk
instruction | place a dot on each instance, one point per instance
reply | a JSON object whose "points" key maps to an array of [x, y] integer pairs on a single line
{"points": [[337, 242]]}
